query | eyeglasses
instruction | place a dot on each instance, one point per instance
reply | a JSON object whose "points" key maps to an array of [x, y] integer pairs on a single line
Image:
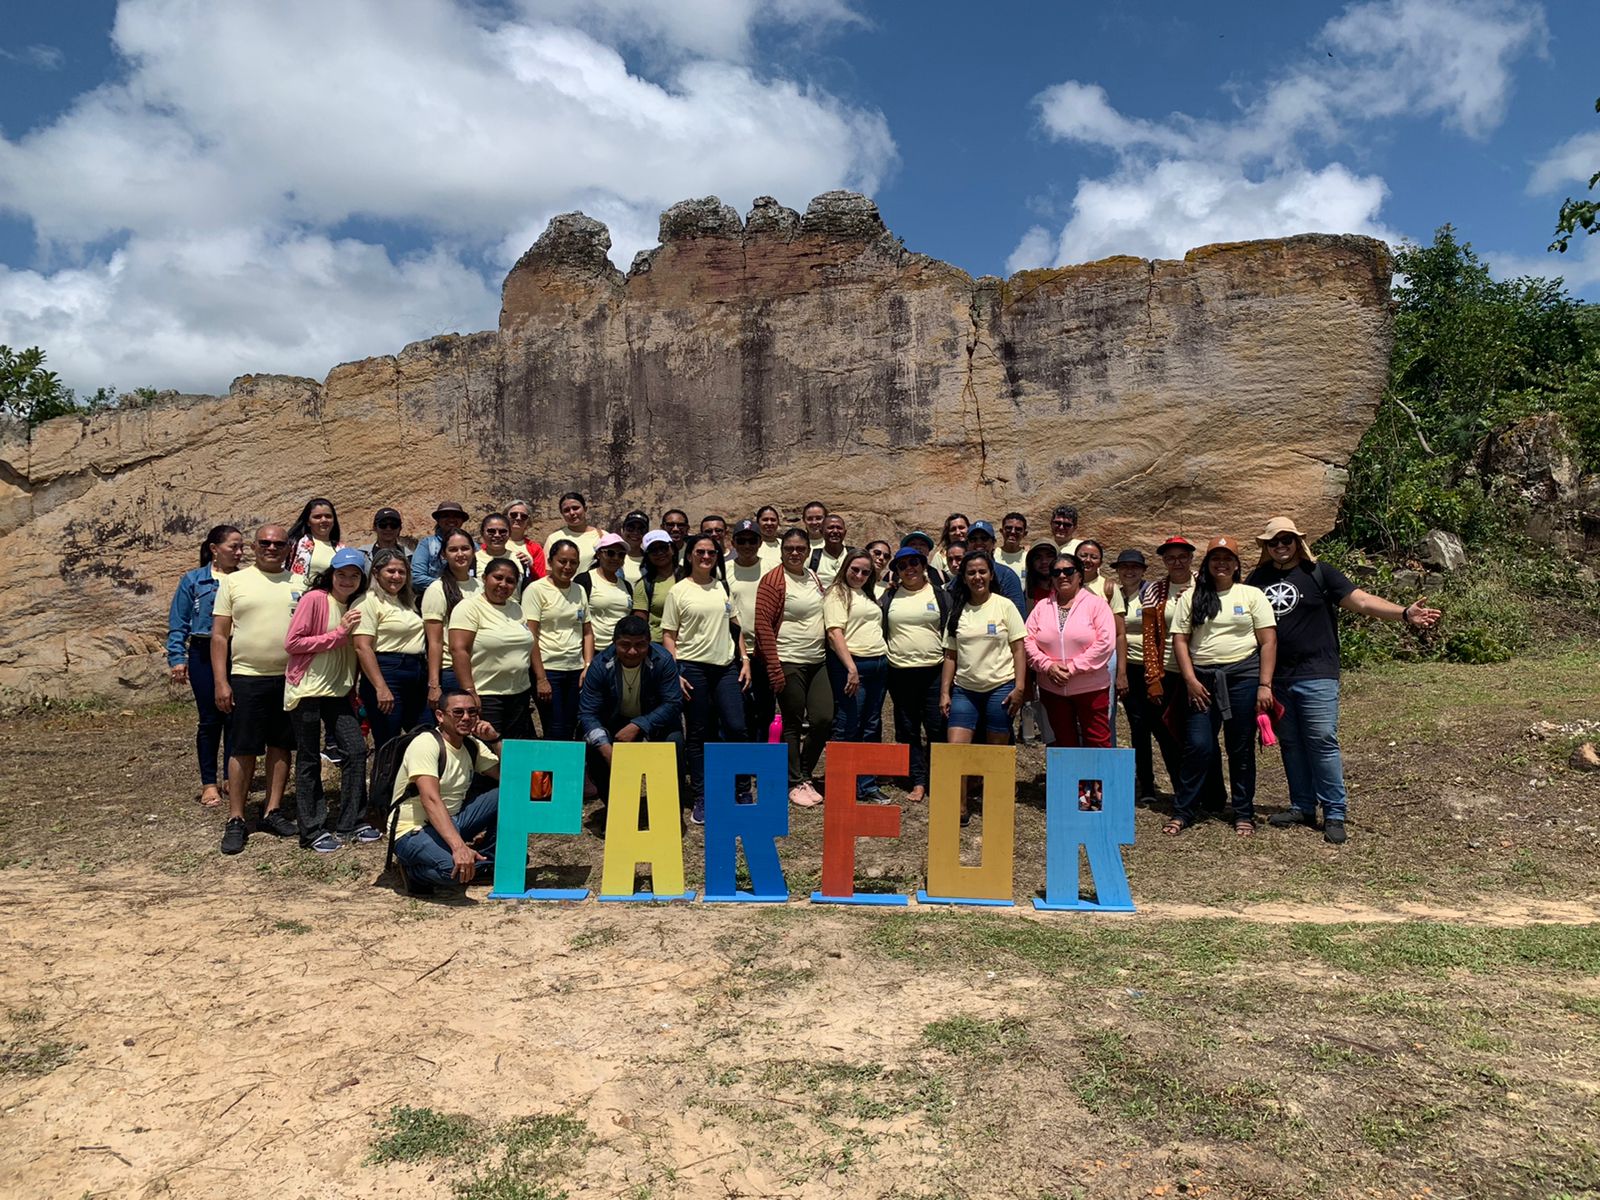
{"points": [[1063, 572], [1062, 521], [463, 712], [388, 524], [1283, 539], [271, 543]]}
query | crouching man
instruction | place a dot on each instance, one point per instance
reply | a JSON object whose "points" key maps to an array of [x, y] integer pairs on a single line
{"points": [[441, 837], [631, 694]]}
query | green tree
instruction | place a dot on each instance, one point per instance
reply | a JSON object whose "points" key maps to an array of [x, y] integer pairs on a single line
{"points": [[29, 391], [1577, 214]]}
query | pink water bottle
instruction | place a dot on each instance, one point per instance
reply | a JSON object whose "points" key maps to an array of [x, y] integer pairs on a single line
{"points": [[775, 730]]}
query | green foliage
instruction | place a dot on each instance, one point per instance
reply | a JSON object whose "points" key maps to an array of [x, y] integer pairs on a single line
{"points": [[414, 1134], [1577, 214], [29, 391]]}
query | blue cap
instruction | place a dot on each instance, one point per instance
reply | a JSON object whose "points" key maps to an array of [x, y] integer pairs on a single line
{"points": [[981, 527], [348, 558], [909, 552]]}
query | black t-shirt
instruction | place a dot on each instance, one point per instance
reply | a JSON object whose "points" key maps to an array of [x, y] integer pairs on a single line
{"points": [[1307, 612]]}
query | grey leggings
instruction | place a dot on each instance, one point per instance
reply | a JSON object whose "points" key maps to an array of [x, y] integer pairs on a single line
{"points": [[806, 696]]}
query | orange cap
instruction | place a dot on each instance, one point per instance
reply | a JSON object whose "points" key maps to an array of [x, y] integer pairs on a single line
{"points": [[1222, 543]]}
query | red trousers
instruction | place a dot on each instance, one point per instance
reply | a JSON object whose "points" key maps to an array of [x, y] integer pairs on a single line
{"points": [[1081, 720]]}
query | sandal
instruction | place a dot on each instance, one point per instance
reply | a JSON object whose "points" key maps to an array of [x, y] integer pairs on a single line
{"points": [[1244, 829], [216, 797], [1174, 827]]}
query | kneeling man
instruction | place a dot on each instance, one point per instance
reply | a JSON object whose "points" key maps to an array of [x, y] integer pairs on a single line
{"points": [[440, 836], [631, 694]]}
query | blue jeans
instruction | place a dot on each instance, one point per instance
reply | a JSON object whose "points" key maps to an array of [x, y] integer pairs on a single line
{"points": [[214, 727], [1200, 747], [713, 711], [981, 712], [1308, 735], [405, 675], [855, 716], [426, 858], [558, 716]]}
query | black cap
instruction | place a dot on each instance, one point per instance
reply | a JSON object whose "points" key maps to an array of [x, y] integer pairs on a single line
{"points": [[636, 517], [387, 514], [745, 526], [1128, 557]]}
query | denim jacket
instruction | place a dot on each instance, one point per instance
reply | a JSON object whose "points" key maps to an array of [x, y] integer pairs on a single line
{"points": [[660, 698], [427, 561], [190, 614]]}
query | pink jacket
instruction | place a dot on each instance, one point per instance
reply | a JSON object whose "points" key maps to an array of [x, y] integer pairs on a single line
{"points": [[309, 634], [1085, 643]]}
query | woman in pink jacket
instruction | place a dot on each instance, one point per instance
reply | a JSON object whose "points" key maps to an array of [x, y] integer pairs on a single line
{"points": [[1070, 638]]}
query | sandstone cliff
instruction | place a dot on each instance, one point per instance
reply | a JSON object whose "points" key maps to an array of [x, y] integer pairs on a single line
{"points": [[776, 359]]}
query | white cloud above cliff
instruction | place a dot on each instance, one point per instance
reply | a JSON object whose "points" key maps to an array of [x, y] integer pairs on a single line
{"points": [[1267, 170], [195, 215]]}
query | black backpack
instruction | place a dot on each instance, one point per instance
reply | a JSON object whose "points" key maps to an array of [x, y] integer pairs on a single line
{"points": [[941, 596], [386, 767]]}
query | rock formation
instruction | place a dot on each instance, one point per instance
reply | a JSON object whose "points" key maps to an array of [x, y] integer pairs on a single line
{"points": [[779, 359]]}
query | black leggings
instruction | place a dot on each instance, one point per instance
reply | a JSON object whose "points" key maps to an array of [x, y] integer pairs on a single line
{"points": [[806, 696], [915, 693]]}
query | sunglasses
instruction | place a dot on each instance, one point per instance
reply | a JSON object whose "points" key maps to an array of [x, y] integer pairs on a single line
{"points": [[388, 524], [463, 712], [1063, 572], [517, 518], [860, 571], [705, 554], [271, 544], [1062, 521], [746, 541], [1283, 539], [611, 550], [674, 524], [1012, 529]]}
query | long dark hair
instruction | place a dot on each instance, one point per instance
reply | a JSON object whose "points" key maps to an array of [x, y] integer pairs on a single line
{"points": [[302, 527], [218, 535], [1207, 603], [959, 592], [447, 577], [686, 568], [406, 597], [1033, 579], [647, 569]]}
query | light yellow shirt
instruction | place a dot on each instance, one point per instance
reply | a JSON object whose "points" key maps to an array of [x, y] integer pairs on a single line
{"points": [[742, 582], [632, 568], [330, 672], [1016, 560], [608, 604], [422, 759], [698, 615], [393, 628], [800, 636], [862, 624], [261, 606], [982, 643], [584, 541], [433, 610], [915, 639], [561, 617], [1231, 634], [828, 566], [770, 554], [1070, 546], [501, 645]]}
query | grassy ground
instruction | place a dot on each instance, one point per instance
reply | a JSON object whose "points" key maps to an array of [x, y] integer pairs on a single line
{"points": [[1416, 1013]]}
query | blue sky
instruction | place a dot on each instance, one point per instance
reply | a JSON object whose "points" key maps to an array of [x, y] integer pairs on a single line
{"points": [[190, 191]]}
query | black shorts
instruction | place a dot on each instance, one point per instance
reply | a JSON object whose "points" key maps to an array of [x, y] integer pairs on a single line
{"points": [[259, 722]]}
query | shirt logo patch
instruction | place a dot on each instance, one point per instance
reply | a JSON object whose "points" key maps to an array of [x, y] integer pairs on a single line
{"points": [[1238, 610], [932, 607], [992, 629]]}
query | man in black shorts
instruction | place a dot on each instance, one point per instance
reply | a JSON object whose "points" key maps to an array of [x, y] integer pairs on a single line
{"points": [[249, 623]]}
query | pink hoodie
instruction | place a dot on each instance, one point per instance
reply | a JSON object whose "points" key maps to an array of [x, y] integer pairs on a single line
{"points": [[1085, 644]]}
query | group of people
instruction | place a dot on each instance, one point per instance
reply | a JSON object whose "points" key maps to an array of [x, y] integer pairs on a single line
{"points": [[742, 630]]}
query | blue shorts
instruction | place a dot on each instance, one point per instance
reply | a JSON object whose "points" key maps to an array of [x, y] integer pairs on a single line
{"points": [[981, 711]]}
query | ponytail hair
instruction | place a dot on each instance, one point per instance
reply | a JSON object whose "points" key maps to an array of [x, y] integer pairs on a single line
{"points": [[218, 534], [447, 577]]}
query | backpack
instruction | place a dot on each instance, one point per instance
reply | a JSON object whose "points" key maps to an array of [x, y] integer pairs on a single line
{"points": [[816, 555], [386, 767], [939, 594]]}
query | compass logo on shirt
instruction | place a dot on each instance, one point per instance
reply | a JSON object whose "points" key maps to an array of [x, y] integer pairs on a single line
{"points": [[1283, 596]]}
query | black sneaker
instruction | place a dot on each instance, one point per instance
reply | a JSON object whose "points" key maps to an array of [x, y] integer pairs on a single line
{"points": [[234, 835], [276, 823], [1290, 818], [1333, 831]]}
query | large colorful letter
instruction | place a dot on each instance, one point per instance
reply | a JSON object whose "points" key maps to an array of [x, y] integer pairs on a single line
{"points": [[759, 825], [643, 773], [990, 882], [521, 815], [1102, 834], [844, 819]]}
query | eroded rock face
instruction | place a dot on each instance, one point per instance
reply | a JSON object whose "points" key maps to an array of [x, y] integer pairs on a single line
{"points": [[779, 359]]}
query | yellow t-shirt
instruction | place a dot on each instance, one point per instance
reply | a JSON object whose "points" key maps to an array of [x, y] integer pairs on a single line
{"points": [[433, 610], [828, 566], [915, 639], [585, 542], [561, 616], [862, 625], [742, 582], [321, 560], [515, 548], [261, 606], [1231, 634], [652, 603], [330, 672], [770, 554], [632, 569], [698, 614], [800, 636], [501, 645], [1016, 560], [422, 758], [393, 628], [608, 604], [982, 643], [1070, 546]]}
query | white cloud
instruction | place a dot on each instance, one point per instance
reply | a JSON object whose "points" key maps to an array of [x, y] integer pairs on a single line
{"points": [[45, 58], [265, 126], [711, 28], [1579, 267], [1182, 181], [1573, 161]]}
